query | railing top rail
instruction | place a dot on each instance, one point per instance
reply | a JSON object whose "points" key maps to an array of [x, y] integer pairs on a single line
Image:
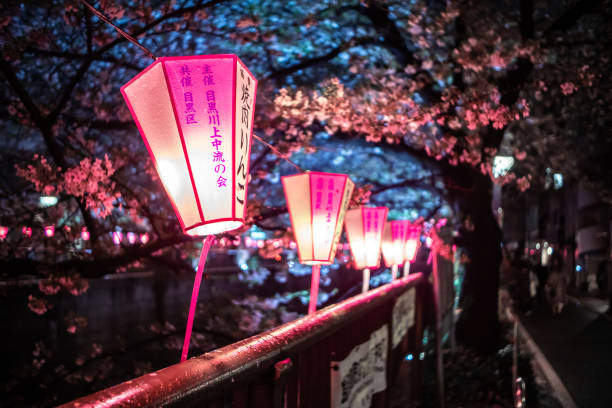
{"points": [[197, 376]]}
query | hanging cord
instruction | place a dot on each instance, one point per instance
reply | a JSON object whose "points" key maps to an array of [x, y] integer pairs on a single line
{"points": [[278, 153], [128, 37], [148, 53]]}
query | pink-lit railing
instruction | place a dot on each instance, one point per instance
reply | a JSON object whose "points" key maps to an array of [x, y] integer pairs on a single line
{"points": [[288, 366]]}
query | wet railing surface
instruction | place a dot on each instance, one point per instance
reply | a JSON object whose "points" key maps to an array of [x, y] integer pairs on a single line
{"points": [[289, 366]]}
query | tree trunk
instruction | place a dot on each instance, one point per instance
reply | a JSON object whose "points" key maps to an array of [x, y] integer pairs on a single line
{"points": [[480, 236]]}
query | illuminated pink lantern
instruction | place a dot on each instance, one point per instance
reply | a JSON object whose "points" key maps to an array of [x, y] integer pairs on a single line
{"points": [[49, 231], [412, 246], [117, 237], [27, 231], [364, 228], [317, 203], [394, 240], [84, 234], [131, 237], [195, 115], [144, 238], [3, 232]]}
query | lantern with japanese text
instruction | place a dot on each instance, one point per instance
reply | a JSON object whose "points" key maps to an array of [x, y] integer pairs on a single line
{"points": [[413, 240], [195, 115], [317, 203], [364, 228], [394, 244]]}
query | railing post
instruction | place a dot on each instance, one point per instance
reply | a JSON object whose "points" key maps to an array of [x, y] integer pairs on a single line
{"points": [[282, 369], [438, 323]]}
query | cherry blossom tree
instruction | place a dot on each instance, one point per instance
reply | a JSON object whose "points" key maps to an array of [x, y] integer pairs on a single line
{"points": [[426, 92]]}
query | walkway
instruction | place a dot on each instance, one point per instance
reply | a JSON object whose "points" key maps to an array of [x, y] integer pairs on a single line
{"points": [[578, 345]]}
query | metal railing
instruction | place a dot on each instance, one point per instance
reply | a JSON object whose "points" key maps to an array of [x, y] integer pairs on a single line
{"points": [[288, 366]]}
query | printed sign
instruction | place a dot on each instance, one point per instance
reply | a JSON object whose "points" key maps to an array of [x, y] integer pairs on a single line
{"points": [[403, 316], [362, 373]]}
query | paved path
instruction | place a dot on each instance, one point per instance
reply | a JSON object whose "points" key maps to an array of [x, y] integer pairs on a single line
{"points": [[578, 344]]}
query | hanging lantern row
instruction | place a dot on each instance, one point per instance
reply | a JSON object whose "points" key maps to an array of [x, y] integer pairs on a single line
{"points": [[49, 231], [195, 115], [133, 238]]}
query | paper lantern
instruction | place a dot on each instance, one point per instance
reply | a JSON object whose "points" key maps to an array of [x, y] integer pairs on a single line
{"points": [[117, 237], [394, 245], [412, 246], [394, 242], [3, 232], [317, 203], [27, 231], [195, 115], [144, 238], [49, 231], [364, 228], [84, 234], [412, 242]]}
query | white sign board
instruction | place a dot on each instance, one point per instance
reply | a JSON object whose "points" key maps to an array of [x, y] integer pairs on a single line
{"points": [[362, 373], [403, 316]]}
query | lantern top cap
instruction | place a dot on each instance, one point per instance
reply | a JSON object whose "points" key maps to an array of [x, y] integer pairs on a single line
{"points": [[160, 60], [320, 173]]}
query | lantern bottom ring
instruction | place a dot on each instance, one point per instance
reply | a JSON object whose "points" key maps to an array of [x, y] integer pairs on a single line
{"points": [[315, 262], [214, 226]]}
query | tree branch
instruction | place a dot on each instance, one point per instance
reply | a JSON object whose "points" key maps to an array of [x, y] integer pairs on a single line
{"points": [[281, 72]]}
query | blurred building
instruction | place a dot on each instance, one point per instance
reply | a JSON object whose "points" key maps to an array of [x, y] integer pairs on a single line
{"points": [[571, 219]]}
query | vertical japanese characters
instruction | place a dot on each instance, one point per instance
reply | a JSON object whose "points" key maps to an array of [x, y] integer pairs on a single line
{"points": [[245, 101], [216, 138]]}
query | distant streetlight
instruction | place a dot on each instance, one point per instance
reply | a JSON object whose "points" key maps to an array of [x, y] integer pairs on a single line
{"points": [[502, 165], [47, 201]]}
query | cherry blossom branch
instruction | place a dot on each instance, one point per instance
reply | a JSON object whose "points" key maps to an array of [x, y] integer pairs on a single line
{"points": [[45, 125], [282, 72]]}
